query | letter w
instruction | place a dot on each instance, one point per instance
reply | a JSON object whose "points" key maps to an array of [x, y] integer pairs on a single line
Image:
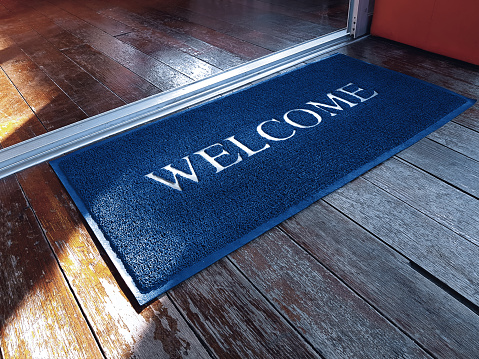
{"points": [[333, 99], [176, 172]]}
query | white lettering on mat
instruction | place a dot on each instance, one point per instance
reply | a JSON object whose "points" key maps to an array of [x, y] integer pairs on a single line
{"points": [[336, 104]]}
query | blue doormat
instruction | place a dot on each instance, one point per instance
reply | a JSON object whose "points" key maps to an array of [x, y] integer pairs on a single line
{"points": [[170, 198]]}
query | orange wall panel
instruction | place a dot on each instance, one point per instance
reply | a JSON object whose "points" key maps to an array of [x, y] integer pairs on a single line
{"points": [[442, 26]]}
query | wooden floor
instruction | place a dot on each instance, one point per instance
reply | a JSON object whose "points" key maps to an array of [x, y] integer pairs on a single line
{"points": [[385, 267]]}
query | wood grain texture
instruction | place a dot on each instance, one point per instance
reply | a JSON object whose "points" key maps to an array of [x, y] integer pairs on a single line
{"points": [[152, 37], [442, 162], [233, 318], [17, 121], [439, 323], [143, 65], [98, 20], [215, 37], [39, 317], [332, 317], [199, 21], [126, 84], [89, 94], [429, 195], [328, 13], [458, 138], [437, 249], [50, 104], [157, 332]]}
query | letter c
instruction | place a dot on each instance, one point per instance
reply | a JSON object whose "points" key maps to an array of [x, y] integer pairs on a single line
{"points": [[295, 124], [269, 137]]}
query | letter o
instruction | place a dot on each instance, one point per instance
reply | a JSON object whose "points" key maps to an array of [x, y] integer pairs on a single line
{"points": [[295, 124]]}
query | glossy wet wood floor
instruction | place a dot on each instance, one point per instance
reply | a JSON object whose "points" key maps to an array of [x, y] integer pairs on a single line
{"points": [[385, 267]]}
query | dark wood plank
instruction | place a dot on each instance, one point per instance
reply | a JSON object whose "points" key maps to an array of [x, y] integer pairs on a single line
{"points": [[438, 250], [450, 166], [238, 19], [311, 298], [158, 331], [21, 12], [149, 42], [398, 57], [89, 94], [151, 37], [156, 72], [39, 317], [105, 23], [17, 121], [439, 323], [156, 19], [51, 105], [199, 24], [127, 85], [234, 319], [332, 14]]}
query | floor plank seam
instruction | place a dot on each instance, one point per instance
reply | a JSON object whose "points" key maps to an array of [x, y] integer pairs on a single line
{"points": [[54, 20], [457, 122], [399, 158], [439, 283], [192, 327], [371, 305], [65, 277], [325, 200], [23, 98], [423, 213], [272, 305]]}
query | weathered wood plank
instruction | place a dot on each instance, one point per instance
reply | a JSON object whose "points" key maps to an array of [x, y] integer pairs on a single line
{"points": [[17, 121], [154, 71], [149, 33], [441, 252], [234, 319], [396, 57], [51, 105], [442, 325], [244, 49], [448, 165], [470, 118], [458, 138], [333, 14], [337, 322], [157, 332], [446, 205], [89, 94], [124, 83], [105, 23], [39, 317]]}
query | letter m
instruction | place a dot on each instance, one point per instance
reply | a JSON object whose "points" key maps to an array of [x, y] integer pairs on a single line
{"points": [[336, 106], [175, 172]]}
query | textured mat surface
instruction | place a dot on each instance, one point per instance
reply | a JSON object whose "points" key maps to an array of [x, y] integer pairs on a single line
{"points": [[170, 198]]}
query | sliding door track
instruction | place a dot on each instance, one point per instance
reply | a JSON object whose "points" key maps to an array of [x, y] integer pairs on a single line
{"points": [[66, 139]]}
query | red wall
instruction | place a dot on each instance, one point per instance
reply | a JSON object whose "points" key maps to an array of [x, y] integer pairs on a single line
{"points": [[446, 27]]}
